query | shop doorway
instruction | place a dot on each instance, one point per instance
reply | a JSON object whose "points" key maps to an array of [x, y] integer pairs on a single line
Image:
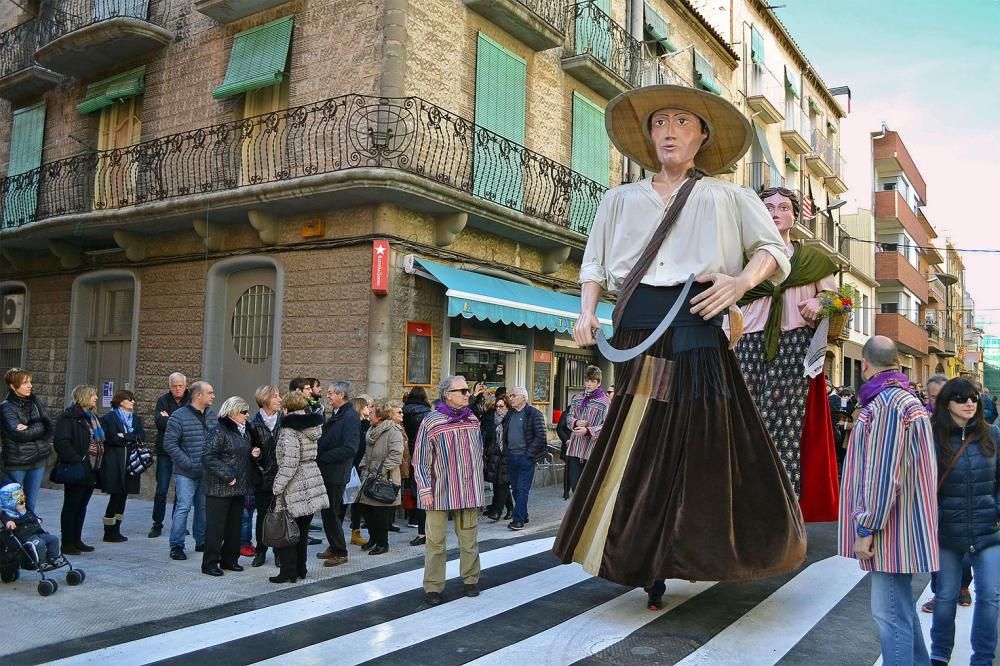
{"points": [[494, 363]]}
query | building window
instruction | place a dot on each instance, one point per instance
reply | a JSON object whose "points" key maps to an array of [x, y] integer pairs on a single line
{"points": [[252, 324], [264, 137], [12, 322], [117, 168]]}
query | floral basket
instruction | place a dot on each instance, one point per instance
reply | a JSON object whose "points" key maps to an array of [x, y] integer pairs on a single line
{"points": [[837, 307]]}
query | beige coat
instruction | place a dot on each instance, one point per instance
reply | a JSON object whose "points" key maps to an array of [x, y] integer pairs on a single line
{"points": [[298, 486], [385, 448]]}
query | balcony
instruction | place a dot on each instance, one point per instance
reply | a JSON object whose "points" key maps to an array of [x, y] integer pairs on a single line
{"points": [[341, 152], [819, 157], [835, 183], [599, 52], [761, 176], [21, 78], [891, 156], [824, 236], [538, 23], [795, 131], [892, 269], [935, 290], [892, 213], [766, 94], [87, 39], [910, 338], [227, 11]]}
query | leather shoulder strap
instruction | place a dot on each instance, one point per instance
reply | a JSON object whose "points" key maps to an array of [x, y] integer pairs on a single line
{"points": [[954, 461]]}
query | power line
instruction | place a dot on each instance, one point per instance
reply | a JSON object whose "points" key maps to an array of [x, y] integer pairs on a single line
{"points": [[844, 235]]}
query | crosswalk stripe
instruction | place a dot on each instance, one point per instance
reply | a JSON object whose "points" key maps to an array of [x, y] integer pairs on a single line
{"points": [[387, 637], [593, 631], [765, 633], [189, 639]]}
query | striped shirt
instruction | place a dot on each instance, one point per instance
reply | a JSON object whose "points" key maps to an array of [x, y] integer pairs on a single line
{"points": [[581, 446], [448, 462], [890, 485]]}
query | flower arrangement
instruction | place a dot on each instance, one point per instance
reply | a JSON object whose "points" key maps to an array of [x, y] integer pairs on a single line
{"points": [[839, 302]]}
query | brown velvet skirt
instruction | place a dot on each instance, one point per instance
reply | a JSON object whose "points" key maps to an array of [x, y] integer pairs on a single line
{"points": [[684, 481]]}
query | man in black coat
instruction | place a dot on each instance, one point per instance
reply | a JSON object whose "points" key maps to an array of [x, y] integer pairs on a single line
{"points": [[335, 457], [525, 440], [166, 404]]}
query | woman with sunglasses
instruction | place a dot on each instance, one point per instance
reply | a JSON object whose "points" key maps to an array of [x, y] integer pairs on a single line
{"points": [[231, 473], [968, 515], [778, 326]]}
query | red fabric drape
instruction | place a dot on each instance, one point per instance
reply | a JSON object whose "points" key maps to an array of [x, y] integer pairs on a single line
{"points": [[820, 486]]}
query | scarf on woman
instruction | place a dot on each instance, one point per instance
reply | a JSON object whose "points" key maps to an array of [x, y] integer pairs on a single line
{"points": [[880, 382], [454, 415], [808, 265], [125, 418], [587, 397], [95, 451]]}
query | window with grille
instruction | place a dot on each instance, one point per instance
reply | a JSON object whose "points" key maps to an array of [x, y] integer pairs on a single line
{"points": [[253, 324]]}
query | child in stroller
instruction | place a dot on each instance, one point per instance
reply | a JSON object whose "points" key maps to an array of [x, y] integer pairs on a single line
{"points": [[26, 544]]}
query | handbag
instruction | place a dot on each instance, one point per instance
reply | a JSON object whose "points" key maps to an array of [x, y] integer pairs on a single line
{"points": [[140, 458], [280, 529], [74, 473], [378, 489]]}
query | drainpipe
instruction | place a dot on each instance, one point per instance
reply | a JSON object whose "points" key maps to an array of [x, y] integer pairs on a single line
{"points": [[634, 17], [394, 44]]}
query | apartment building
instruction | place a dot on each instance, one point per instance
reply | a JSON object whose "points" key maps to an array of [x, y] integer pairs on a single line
{"points": [[858, 244], [384, 192]]}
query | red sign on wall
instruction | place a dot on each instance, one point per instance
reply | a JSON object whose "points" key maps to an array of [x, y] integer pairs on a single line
{"points": [[380, 267]]}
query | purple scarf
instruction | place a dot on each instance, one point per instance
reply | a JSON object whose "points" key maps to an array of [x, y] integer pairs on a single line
{"points": [[454, 416], [883, 380], [587, 397]]}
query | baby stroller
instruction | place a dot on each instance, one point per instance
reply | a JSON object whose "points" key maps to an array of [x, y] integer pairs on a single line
{"points": [[15, 555]]}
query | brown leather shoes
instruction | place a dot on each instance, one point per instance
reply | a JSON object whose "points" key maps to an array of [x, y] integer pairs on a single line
{"points": [[336, 560]]}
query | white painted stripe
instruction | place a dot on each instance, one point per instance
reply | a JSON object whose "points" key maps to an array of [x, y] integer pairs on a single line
{"points": [[589, 633], [773, 627], [385, 638], [182, 641]]}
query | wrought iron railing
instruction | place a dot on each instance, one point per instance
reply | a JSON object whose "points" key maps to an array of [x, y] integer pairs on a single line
{"points": [[353, 131], [593, 32], [761, 176], [795, 120], [552, 12], [66, 16], [17, 48]]}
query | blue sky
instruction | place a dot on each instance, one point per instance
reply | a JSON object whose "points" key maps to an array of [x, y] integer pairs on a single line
{"points": [[930, 70]]}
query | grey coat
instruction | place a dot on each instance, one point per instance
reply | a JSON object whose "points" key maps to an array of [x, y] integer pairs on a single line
{"points": [[298, 485], [385, 450], [185, 437]]}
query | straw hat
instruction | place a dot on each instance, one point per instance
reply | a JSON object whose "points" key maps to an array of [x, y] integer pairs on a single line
{"points": [[627, 121]]}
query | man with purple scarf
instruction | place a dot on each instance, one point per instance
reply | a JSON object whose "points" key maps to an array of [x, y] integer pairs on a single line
{"points": [[587, 412], [888, 501], [448, 471]]}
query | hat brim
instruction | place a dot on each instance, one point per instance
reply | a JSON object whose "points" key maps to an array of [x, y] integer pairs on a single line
{"points": [[627, 121]]}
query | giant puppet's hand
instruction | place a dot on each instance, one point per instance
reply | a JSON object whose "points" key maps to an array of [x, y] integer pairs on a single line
{"points": [[809, 309], [583, 330], [724, 292]]}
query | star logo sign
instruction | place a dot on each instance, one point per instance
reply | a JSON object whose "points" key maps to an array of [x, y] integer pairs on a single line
{"points": [[380, 250]]}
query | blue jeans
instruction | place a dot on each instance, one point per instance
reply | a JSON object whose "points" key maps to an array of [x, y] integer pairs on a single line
{"points": [[986, 568], [246, 527], [521, 472], [31, 481], [188, 494], [164, 470], [895, 613]]}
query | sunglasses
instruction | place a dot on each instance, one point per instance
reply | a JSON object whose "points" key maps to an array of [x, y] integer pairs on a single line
{"points": [[245, 412], [463, 391], [961, 399]]}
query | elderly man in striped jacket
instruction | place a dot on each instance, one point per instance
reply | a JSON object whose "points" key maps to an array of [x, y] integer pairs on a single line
{"points": [[448, 470], [888, 502]]}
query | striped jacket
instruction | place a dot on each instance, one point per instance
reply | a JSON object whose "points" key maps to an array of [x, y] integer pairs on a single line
{"points": [[581, 446], [448, 462], [890, 485]]}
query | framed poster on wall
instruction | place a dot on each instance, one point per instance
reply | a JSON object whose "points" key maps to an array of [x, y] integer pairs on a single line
{"points": [[418, 353], [541, 377]]}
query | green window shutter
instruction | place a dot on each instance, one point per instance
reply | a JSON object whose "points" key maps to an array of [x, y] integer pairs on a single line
{"points": [[790, 83], [831, 127], [591, 157], [814, 107], [107, 92], [258, 58], [658, 27], [501, 79], [756, 46], [592, 33], [26, 137], [704, 74]]}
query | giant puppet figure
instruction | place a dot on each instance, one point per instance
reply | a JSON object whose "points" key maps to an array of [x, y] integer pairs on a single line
{"points": [[684, 480]]}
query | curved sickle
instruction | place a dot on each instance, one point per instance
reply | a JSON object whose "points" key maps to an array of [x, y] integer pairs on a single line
{"points": [[622, 355]]}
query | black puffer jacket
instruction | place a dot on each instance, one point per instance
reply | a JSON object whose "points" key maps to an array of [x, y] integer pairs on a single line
{"points": [[969, 498], [337, 446], [227, 457], [166, 403], [72, 440], [25, 449], [266, 440], [413, 416], [535, 434]]}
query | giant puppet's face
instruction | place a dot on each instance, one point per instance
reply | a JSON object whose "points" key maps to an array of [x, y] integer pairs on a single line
{"points": [[677, 136], [782, 212]]}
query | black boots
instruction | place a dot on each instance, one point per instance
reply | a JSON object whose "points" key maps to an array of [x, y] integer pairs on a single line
{"points": [[259, 556], [113, 530]]}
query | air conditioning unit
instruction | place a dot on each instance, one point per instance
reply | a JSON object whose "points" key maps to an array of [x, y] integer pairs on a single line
{"points": [[13, 313]]}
